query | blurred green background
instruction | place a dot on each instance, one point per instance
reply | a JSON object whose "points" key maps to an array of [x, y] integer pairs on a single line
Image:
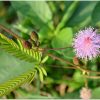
{"points": [[56, 23]]}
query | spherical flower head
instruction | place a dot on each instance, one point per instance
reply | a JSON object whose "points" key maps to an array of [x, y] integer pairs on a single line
{"points": [[85, 93], [86, 44]]}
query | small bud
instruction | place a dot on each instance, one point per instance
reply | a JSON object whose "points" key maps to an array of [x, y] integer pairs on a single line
{"points": [[85, 93], [75, 61], [27, 44], [34, 36], [34, 39]]}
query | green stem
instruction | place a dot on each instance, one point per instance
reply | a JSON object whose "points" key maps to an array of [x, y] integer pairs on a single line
{"points": [[84, 73]]}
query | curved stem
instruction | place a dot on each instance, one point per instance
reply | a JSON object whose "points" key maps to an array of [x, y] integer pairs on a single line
{"points": [[86, 82], [84, 73]]}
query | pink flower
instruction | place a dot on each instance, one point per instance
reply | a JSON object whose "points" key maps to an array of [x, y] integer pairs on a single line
{"points": [[86, 44], [85, 93]]}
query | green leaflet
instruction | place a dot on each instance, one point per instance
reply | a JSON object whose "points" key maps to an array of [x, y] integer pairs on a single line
{"points": [[14, 83], [18, 50], [44, 71], [44, 59], [40, 73]]}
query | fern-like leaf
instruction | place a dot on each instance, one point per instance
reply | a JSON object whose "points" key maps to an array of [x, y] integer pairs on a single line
{"points": [[16, 82], [18, 50]]}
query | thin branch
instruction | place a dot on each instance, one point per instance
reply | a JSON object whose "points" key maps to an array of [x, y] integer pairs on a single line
{"points": [[60, 59], [61, 66], [88, 71], [10, 32], [92, 77], [74, 66], [86, 76]]}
